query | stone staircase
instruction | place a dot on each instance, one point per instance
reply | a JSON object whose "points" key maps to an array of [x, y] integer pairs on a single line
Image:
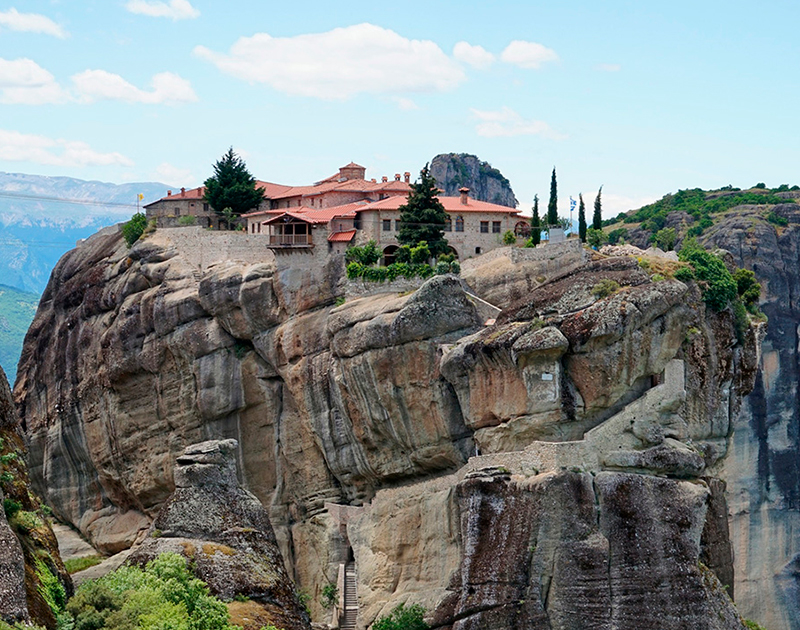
{"points": [[348, 620]]}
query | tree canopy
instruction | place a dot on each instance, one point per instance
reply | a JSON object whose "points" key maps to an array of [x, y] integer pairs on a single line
{"points": [[552, 205], [423, 217], [597, 217], [232, 186]]}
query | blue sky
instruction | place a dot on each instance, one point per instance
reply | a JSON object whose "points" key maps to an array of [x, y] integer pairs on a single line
{"points": [[640, 97]]}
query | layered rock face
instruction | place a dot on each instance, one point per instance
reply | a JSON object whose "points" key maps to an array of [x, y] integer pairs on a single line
{"points": [[456, 170], [28, 547], [763, 469], [400, 430], [226, 534]]}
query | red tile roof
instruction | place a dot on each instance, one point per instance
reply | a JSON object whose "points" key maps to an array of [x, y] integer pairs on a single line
{"points": [[270, 191], [452, 205], [342, 237]]}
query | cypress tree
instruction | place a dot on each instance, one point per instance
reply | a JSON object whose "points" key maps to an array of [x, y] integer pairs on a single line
{"points": [[597, 218], [536, 226], [581, 219], [552, 205]]}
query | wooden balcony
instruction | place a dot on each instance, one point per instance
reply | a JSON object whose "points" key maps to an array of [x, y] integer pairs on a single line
{"points": [[290, 240]]}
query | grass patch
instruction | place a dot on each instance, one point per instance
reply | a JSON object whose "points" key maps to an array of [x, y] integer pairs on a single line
{"points": [[75, 565]]}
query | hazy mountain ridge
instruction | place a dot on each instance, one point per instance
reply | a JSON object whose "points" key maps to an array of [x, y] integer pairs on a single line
{"points": [[17, 309]]}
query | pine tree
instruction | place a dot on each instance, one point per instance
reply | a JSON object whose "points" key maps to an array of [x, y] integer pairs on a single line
{"points": [[597, 218], [536, 225], [423, 216], [552, 205], [581, 219], [232, 186]]}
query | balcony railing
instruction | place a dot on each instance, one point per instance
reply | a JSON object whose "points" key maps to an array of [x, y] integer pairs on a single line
{"points": [[290, 240]]}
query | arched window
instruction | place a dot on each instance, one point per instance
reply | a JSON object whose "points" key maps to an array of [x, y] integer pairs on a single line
{"points": [[459, 224], [448, 224]]}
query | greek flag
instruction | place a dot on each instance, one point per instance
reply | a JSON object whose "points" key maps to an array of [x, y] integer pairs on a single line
{"points": [[571, 203]]}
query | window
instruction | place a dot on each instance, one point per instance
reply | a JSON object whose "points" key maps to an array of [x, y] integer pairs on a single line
{"points": [[387, 225], [205, 207], [495, 227], [448, 224], [484, 227], [177, 212], [459, 224], [477, 250]]}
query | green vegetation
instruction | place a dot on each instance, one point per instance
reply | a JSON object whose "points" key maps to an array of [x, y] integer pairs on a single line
{"points": [[330, 595], [581, 218], [50, 588], [185, 221], [604, 288], [597, 217], [422, 217], [777, 219], [6, 476], [367, 254], [752, 625], [11, 507], [700, 205], [719, 287], [17, 309], [76, 565], [509, 238], [163, 596], [665, 238], [412, 262], [403, 618], [536, 224], [133, 229], [552, 204], [617, 236], [462, 176], [232, 186], [595, 238]]}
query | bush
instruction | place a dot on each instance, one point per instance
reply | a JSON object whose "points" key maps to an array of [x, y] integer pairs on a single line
{"points": [[403, 618], [442, 268], [665, 238], [133, 229], [190, 220], [50, 588], [777, 219], [684, 274], [455, 268], [354, 270], [719, 287], [604, 288], [11, 507], [748, 289], [530, 243], [367, 254], [403, 254], [595, 238], [330, 596], [420, 254], [618, 235], [509, 238], [448, 258]]}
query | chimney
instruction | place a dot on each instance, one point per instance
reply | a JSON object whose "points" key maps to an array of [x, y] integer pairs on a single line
{"points": [[464, 195], [407, 177], [397, 177], [169, 193], [384, 179], [183, 191], [373, 180]]}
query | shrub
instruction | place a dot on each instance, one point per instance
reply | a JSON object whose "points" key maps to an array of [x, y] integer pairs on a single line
{"points": [[777, 219], [752, 625], [604, 288], [618, 235], [448, 258], [665, 238], [403, 618], [190, 220], [509, 238], [367, 254], [50, 587], [455, 268], [133, 229], [719, 287], [75, 565], [442, 268], [330, 596], [684, 274], [403, 254], [530, 243], [11, 507], [747, 287], [740, 320], [595, 238], [354, 270], [420, 254]]}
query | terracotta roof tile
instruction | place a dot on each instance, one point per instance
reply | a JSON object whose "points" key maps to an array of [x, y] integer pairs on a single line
{"points": [[452, 205], [342, 237]]}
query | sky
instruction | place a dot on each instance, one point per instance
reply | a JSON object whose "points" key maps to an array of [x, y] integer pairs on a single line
{"points": [[642, 98]]}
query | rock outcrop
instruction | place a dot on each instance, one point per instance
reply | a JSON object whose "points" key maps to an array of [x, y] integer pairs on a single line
{"points": [[456, 170], [225, 533], [28, 547], [384, 428]]}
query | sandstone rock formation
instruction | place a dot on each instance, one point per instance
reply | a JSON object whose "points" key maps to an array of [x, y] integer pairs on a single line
{"points": [[455, 170], [27, 544], [226, 534], [368, 427]]}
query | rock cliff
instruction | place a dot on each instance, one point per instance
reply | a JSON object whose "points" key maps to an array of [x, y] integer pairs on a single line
{"points": [[455, 170], [577, 436], [28, 549]]}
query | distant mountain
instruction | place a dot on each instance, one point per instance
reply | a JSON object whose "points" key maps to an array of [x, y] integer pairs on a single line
{"points": [[41, 218], [455, 170], [17, 309]]}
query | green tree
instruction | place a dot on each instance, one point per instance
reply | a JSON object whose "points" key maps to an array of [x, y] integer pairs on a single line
{"points": [[665, 238], [581, 219], [536, 223], [133, 229], [595, 237], [232, 186], [423, 216], [597, 217], [403, 618], [552, 205]]}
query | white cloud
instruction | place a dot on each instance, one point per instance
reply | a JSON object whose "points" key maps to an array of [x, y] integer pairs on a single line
{"points": [[168, 88], [613, 204], [476, 56], [174, 9], [20, 147], [170, 174], [508, 123], [30, 23], [339, 64], [406, 104], [24, 82], [529, 55], [609, 67]]}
